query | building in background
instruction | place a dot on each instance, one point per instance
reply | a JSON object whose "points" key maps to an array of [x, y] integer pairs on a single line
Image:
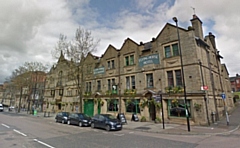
{"points": [[133, 79]]}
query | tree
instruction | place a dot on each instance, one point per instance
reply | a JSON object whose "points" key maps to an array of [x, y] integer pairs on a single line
{"points": [[26, 77], [83, 43], [62, 45], [76, 50]]}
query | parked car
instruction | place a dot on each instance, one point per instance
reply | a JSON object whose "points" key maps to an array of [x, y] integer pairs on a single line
{"points": [[106, 121], [79, 119], [11, 108], [1, 108], [62, 117]]}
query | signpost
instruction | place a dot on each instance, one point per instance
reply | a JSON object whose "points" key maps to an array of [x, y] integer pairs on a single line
{"points": [[223, 95]]}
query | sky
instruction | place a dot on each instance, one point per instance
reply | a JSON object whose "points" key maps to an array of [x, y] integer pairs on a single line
{"points": [[30, 29]]}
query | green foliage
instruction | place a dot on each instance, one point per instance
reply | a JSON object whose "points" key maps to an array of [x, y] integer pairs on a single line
{"points": [[130, 92], [143, 119], [158, 120], [108, 92], [197, 106], [87, 94], [143, 103], [174, 90]]}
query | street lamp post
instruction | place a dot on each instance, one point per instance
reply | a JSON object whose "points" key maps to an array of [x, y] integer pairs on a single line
{"points": [[205, 97], [184, 86]]}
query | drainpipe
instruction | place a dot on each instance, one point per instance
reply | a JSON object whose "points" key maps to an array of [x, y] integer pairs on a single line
{"points": [[205, 94], [213, 86], [119, 84]]}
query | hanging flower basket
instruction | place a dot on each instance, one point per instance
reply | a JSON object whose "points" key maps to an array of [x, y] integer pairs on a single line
{"points": [[175, 102], [143, 103], [197, 106], [102, 102]]}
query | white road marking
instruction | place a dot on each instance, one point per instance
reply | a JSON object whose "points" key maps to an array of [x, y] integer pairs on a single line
{"points": [[131, 132], [19, 132], [118, 134], [5, 125], [43, 143]]}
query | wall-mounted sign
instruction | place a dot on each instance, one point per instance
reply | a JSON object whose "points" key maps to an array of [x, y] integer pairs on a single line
{"points": [[150, 59], [100, 70]]}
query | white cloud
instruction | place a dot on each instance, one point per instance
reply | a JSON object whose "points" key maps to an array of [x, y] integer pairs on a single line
{"points": [[225, 18], [30, 28]]}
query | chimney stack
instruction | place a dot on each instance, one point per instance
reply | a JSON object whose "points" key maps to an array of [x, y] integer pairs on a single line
{"points": [[212, 40], [197, 26]]}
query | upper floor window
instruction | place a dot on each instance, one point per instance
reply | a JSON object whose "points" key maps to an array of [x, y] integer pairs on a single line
{"points": [[149, 80], [98, 85], [111, 64], [171, 50], [110, 82], [129, 60], [130, 82], [88, 86], [89, 68], [69, 93], [174, 78], [61, 92]]}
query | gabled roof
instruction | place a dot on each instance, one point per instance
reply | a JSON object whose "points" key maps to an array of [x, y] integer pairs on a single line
{"points": [[168, 24], [128, 39], [224, 67], [108, 48]]}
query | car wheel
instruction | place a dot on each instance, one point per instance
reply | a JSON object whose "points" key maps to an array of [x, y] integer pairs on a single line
{"points": [[56, 120], [80, 124], [108, 127], [63, 122], [92, 125], [68, 122]]}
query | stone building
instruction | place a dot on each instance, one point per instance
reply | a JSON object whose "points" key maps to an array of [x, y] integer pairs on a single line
{"points": [[134, 79]]}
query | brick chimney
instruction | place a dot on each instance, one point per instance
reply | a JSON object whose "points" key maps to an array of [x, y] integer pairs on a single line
{"points": [[212, 40], [197, 26]]}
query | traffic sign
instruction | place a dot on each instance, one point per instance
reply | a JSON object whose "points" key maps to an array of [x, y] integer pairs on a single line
{"points": [[157, 98], [204, 87], [223, 96]]}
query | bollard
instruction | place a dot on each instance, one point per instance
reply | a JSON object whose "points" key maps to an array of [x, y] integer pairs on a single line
{"points": [[213, 116]]}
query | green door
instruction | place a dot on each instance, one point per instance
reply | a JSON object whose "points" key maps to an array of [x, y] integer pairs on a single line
{"points": [[89, 107]]}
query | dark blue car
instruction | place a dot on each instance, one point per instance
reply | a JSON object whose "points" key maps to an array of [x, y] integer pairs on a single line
{"points": [[106, 121], [79, 119], [62, 117]]}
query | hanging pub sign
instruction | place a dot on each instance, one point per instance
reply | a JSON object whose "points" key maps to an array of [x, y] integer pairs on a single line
{"points": [[150, 59]]}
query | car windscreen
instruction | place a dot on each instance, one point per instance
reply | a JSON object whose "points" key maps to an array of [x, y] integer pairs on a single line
{"points": [[65, 114], [110, 116]]}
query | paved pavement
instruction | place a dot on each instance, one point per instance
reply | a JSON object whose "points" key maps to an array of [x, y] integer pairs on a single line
{"points": [[219, 127]]}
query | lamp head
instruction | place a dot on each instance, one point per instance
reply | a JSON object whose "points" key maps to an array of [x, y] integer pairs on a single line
{"points": [[175, 19]]}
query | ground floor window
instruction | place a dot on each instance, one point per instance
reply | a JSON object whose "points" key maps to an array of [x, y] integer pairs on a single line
{"points": [[132, 105], [176, 107], [113, 105]]}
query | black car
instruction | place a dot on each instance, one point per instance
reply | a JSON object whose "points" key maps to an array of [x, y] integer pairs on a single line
{"points": [[79, 119], [106, 121], [62, 117]]}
